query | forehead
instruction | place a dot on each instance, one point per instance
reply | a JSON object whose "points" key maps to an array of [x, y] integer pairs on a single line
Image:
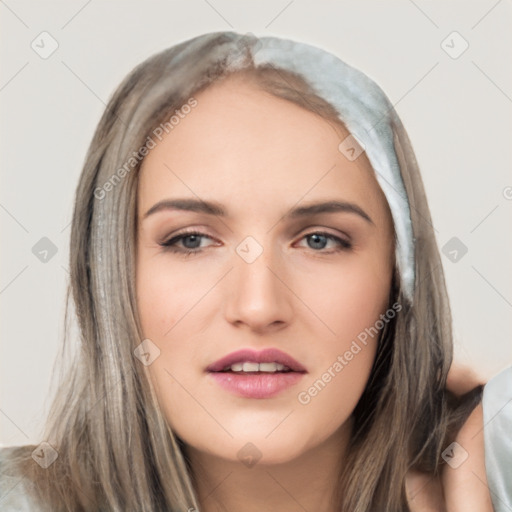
{"points": [[241, 139]]}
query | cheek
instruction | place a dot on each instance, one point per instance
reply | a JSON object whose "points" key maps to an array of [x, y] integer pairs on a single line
{"points": [[330, 396], [170, 310], [350, 302], [163, 297], [348, 298]]}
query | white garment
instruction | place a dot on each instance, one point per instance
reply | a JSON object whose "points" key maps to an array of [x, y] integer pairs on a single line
{"points": [[497, 407], [13, 491]]}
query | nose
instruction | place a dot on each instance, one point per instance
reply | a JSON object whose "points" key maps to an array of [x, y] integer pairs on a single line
{"points": [[258, 295]]}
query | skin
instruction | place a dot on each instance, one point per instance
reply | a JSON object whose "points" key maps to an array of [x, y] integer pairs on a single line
{"points": [[461, 488], [200, 307]]}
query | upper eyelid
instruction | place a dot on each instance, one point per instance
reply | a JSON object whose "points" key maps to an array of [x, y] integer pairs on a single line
{"points": [[184, 234]]}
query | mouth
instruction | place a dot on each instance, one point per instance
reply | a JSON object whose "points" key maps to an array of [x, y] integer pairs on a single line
{"points": [[248, 361], [250, 374], [252, 368]]}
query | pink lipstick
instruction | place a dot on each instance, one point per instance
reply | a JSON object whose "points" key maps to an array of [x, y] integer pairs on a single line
{"points": [[253, 374]]}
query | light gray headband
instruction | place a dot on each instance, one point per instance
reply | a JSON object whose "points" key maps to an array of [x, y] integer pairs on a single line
{"points": [[365, 111]]}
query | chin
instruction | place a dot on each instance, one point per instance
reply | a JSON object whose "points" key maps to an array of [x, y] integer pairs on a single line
{"points": [[252, 448]]}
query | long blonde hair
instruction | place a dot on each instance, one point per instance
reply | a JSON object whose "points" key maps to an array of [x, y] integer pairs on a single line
{"points": [[115, 449]]}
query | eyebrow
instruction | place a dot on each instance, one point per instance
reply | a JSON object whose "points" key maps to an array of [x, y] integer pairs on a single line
{"points": [[213, 208]]}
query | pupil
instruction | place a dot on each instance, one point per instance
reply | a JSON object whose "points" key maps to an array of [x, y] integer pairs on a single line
{"points": [[195, 239], [316, 237]]}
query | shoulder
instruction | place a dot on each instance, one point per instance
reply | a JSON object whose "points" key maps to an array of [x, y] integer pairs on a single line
{"points": [[13, 489]]}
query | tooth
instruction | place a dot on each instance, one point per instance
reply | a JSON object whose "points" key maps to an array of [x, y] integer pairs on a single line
{"points": [[251, 367], [268, 367]]}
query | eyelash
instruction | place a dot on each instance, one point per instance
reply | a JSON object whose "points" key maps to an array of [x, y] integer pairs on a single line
{"points": [[170, 245]]}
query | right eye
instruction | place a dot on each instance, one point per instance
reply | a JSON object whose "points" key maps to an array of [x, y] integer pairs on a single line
{"points": [[190, 238]]}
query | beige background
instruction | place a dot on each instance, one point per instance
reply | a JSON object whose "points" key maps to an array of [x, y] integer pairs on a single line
{"points": [[457, 112]]}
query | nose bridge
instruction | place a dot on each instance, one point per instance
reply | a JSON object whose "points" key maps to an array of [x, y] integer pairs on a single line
{"points": [[254, 277], [257, 296]]}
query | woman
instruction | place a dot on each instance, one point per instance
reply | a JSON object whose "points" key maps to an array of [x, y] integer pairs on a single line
{"points": [[263, 315]]}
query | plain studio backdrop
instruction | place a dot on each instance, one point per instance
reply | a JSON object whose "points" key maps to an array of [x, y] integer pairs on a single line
{"points": [[446, 66]]}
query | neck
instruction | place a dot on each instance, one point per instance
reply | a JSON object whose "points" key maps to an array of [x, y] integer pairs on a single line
{"points": [[306, 482]]}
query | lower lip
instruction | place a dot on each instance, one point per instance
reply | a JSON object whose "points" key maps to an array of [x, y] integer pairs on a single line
{"points": [[256, 385]]}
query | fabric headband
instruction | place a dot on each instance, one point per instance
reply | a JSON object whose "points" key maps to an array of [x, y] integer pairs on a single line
{"points": [[365, 111]]}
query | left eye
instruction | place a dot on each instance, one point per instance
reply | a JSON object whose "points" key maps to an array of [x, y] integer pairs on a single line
{"points": [[320, 239], [192, 242]]}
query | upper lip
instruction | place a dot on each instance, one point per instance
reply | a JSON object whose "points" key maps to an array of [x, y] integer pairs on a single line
{"points": [[269, 355]]}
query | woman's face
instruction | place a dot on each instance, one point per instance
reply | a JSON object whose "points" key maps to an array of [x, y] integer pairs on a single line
{"points": [[268, 272]]}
